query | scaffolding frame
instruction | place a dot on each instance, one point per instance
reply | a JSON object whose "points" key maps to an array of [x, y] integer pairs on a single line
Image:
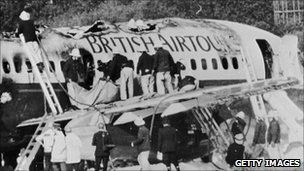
{"points": [[288, 12]]}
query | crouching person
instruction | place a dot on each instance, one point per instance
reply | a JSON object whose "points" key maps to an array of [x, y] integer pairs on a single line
{"points": [[102, 140], [73, 145], [143, 144], [58, 156], [188, 83]]}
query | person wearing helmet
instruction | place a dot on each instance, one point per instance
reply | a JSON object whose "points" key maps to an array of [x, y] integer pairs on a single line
{"points": [[73, 68], [163, 67], [73, 145], [239, 124], [144, 69], [27, 34]]}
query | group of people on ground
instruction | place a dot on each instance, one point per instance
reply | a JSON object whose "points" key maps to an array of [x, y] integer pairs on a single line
{"points": [[266, 138], [61, 152]]}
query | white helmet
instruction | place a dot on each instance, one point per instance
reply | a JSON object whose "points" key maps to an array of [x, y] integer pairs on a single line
{"points": [[241, 115], [75, 52], [24, 16]]}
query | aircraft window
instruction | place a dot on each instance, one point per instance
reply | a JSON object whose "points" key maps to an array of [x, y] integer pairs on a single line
{"points": [[204, 64], [6, 66], [52, 65], [193, 64], [17, 63], [28, 65], [224, 62], [214, 63], [235, 63]]}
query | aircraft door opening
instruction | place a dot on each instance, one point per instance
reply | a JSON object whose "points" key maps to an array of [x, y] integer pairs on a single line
{"points": [[267, 53]]}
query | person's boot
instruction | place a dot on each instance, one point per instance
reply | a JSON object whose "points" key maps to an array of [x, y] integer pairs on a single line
{"points": [[169, 168], [40, 66], [177, 168]]}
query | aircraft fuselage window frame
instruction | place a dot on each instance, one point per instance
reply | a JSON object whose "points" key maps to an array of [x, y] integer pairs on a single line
{"points": [[225, 63], [52, 66], [6, 66], [204, 64], [214, 64], [17, 60], [28, 65], [193, 64], [235, 62]]}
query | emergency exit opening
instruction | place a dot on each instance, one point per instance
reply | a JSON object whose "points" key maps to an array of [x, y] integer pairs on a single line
{"points": [[267, 53]]}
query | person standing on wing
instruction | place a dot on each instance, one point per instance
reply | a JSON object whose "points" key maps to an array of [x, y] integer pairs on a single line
{"points": [[144, 69], [163, 66]]}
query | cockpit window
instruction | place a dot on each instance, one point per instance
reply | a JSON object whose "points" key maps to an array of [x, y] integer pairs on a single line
{"points": [[6, 66], [17, 59]]}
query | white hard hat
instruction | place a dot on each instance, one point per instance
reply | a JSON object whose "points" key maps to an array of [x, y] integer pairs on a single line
{"points": [[24, 16], [132, 24], [241, 114], [139, 121], [239, 138], [75, 52], [158, 45]]}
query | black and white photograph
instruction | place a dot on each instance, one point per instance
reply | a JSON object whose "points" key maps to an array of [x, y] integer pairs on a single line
{"points": [[151, 85]]}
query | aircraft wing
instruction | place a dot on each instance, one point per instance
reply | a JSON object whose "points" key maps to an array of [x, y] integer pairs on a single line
{"points": [[201, 97]]}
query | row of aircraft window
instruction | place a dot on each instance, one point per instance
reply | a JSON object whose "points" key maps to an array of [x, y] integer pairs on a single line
{"points": [[224, 62], [214, 62]]}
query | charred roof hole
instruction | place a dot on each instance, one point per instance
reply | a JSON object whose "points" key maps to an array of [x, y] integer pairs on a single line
{"points": [[6, 66], [140, 26], [17, 59]]}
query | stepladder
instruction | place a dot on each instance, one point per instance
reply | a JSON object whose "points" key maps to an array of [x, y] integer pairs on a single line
{"points": [[43, 77], [206, 120], [33, 146], [256, 101]]}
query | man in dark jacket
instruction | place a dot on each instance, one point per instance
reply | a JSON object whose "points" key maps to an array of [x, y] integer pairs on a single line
{"points": [[27, 34], [167, 144], [143, 144], [73, 69], [144, 69], [235, 150], [163, 66], [102, 140], [116, 65], [239, 124]]}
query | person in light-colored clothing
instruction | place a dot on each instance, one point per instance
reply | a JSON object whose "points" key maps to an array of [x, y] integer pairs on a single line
{"points": [[46, 139], [58, 156], [143, 144], [73, 145]]}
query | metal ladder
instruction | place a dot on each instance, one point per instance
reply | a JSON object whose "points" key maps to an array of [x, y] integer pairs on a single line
{"points": [[205, 119], [32, 148], [256, 101]]}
